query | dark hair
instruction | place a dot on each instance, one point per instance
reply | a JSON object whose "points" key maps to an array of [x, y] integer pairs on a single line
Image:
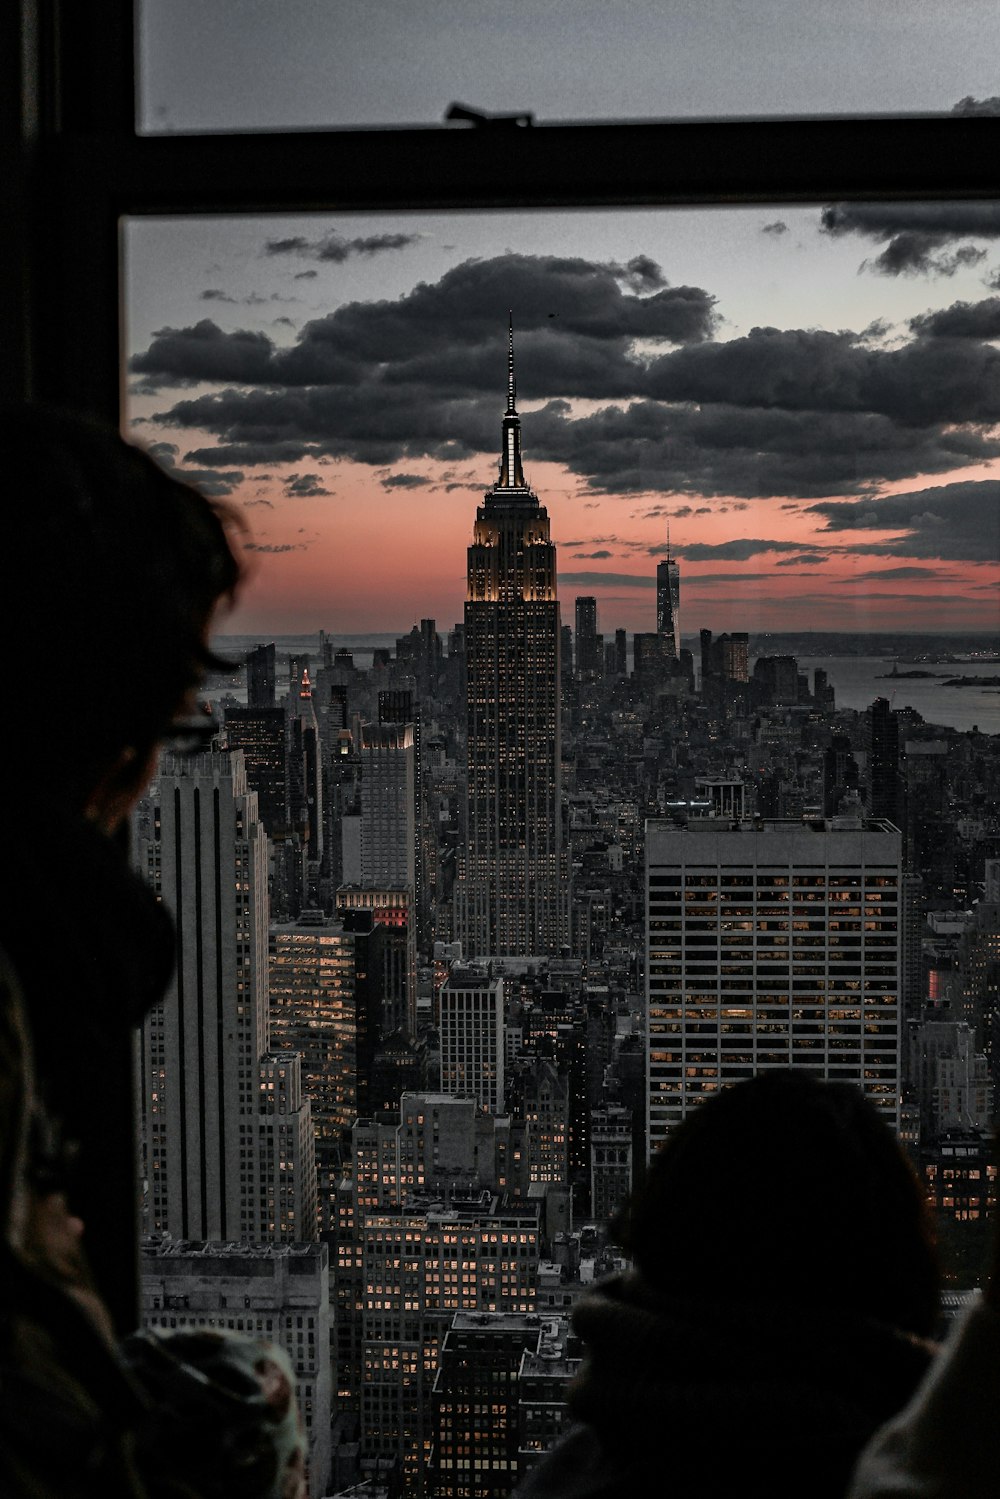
{"points": [[109, 572], [786, 1188]]}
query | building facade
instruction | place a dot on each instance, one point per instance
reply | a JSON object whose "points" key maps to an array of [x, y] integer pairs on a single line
{"points": [[278, 1292], [472, 1037], [421, 1264], [218, 1110], [513, 892], [771, 944], [668, 603]]}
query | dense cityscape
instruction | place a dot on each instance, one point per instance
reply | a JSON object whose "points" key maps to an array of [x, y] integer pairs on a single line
{"points": [[462, 934]]}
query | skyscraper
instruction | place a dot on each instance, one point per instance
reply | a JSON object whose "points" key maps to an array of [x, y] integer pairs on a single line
{"points": [[587, 652], [513, 893], [227, 1135], [261, 676], [472, 1049], [668, 602], [771, 944]]}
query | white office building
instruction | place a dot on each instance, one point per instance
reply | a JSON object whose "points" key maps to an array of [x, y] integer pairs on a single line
{"points": [[771, 944]]}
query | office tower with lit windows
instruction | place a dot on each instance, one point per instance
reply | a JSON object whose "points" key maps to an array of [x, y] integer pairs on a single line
{"points": [[726, 658], [305, 767], [513, 892], [588, 643], [261, 733], [420, 1265], [476, 1432], [388, 835], [261, 676], [472, 1037], [317, 1009], [391, 911], [668, 603], [771, 944], [227, 1137]]}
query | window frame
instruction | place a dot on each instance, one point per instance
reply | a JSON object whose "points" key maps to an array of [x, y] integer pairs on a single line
{"points": [[80, 168], [76, 168]]}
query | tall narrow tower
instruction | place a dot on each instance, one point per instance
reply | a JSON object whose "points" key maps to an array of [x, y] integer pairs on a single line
{"points": [[512, 896], [668, 602]]}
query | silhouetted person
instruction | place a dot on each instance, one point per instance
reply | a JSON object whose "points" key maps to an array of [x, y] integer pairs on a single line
{"points": [[110, 573], [785, 1281], [944, 1444]]}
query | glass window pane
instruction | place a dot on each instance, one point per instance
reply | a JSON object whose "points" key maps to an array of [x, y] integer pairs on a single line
{"points": [[251, 65], [807, 399]]}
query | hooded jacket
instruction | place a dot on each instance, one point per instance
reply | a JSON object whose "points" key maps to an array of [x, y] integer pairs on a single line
{"points": [[683, 1397]]}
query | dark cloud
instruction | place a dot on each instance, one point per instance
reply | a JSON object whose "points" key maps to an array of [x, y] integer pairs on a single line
{"points": [[305, 275], [971, 106], [960, 320], [778, 413], [953, 522], [213, 482], [600, 555], [275, 546], [804, 559], [301, 486], [693, 579], [915, 234], [608, 580], [777, 228], [408, 481], [335, 247], [212, 294], [884, 574], [190, 356], [737, 550], [640, 273], [449, 334], [799, 369]]}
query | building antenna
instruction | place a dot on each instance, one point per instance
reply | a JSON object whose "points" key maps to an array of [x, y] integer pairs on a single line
{"points": [[511, 387]]}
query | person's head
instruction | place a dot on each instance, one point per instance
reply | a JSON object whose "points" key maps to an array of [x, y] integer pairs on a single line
{"points": [[110, 572], [785, 1189]]}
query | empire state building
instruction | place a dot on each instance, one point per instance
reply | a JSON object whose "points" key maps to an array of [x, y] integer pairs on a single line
{"points": [[512, 895]]}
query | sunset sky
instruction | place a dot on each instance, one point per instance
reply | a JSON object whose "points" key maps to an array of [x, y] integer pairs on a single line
{"points": [[811, 398]]}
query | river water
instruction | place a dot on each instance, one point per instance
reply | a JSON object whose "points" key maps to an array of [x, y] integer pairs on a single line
{"points": [[859, 680]]}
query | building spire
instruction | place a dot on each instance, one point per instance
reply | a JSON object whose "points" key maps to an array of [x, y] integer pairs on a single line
{"points": [[511, 472], [668, 538]]}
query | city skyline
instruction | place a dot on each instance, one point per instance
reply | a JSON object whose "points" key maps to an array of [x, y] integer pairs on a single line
{"points": [[811, 411]]}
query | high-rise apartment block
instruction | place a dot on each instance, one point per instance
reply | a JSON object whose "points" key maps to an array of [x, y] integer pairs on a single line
{"points": [[227, 1137], [513, 892], [472, 1039], [771, 944]]}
